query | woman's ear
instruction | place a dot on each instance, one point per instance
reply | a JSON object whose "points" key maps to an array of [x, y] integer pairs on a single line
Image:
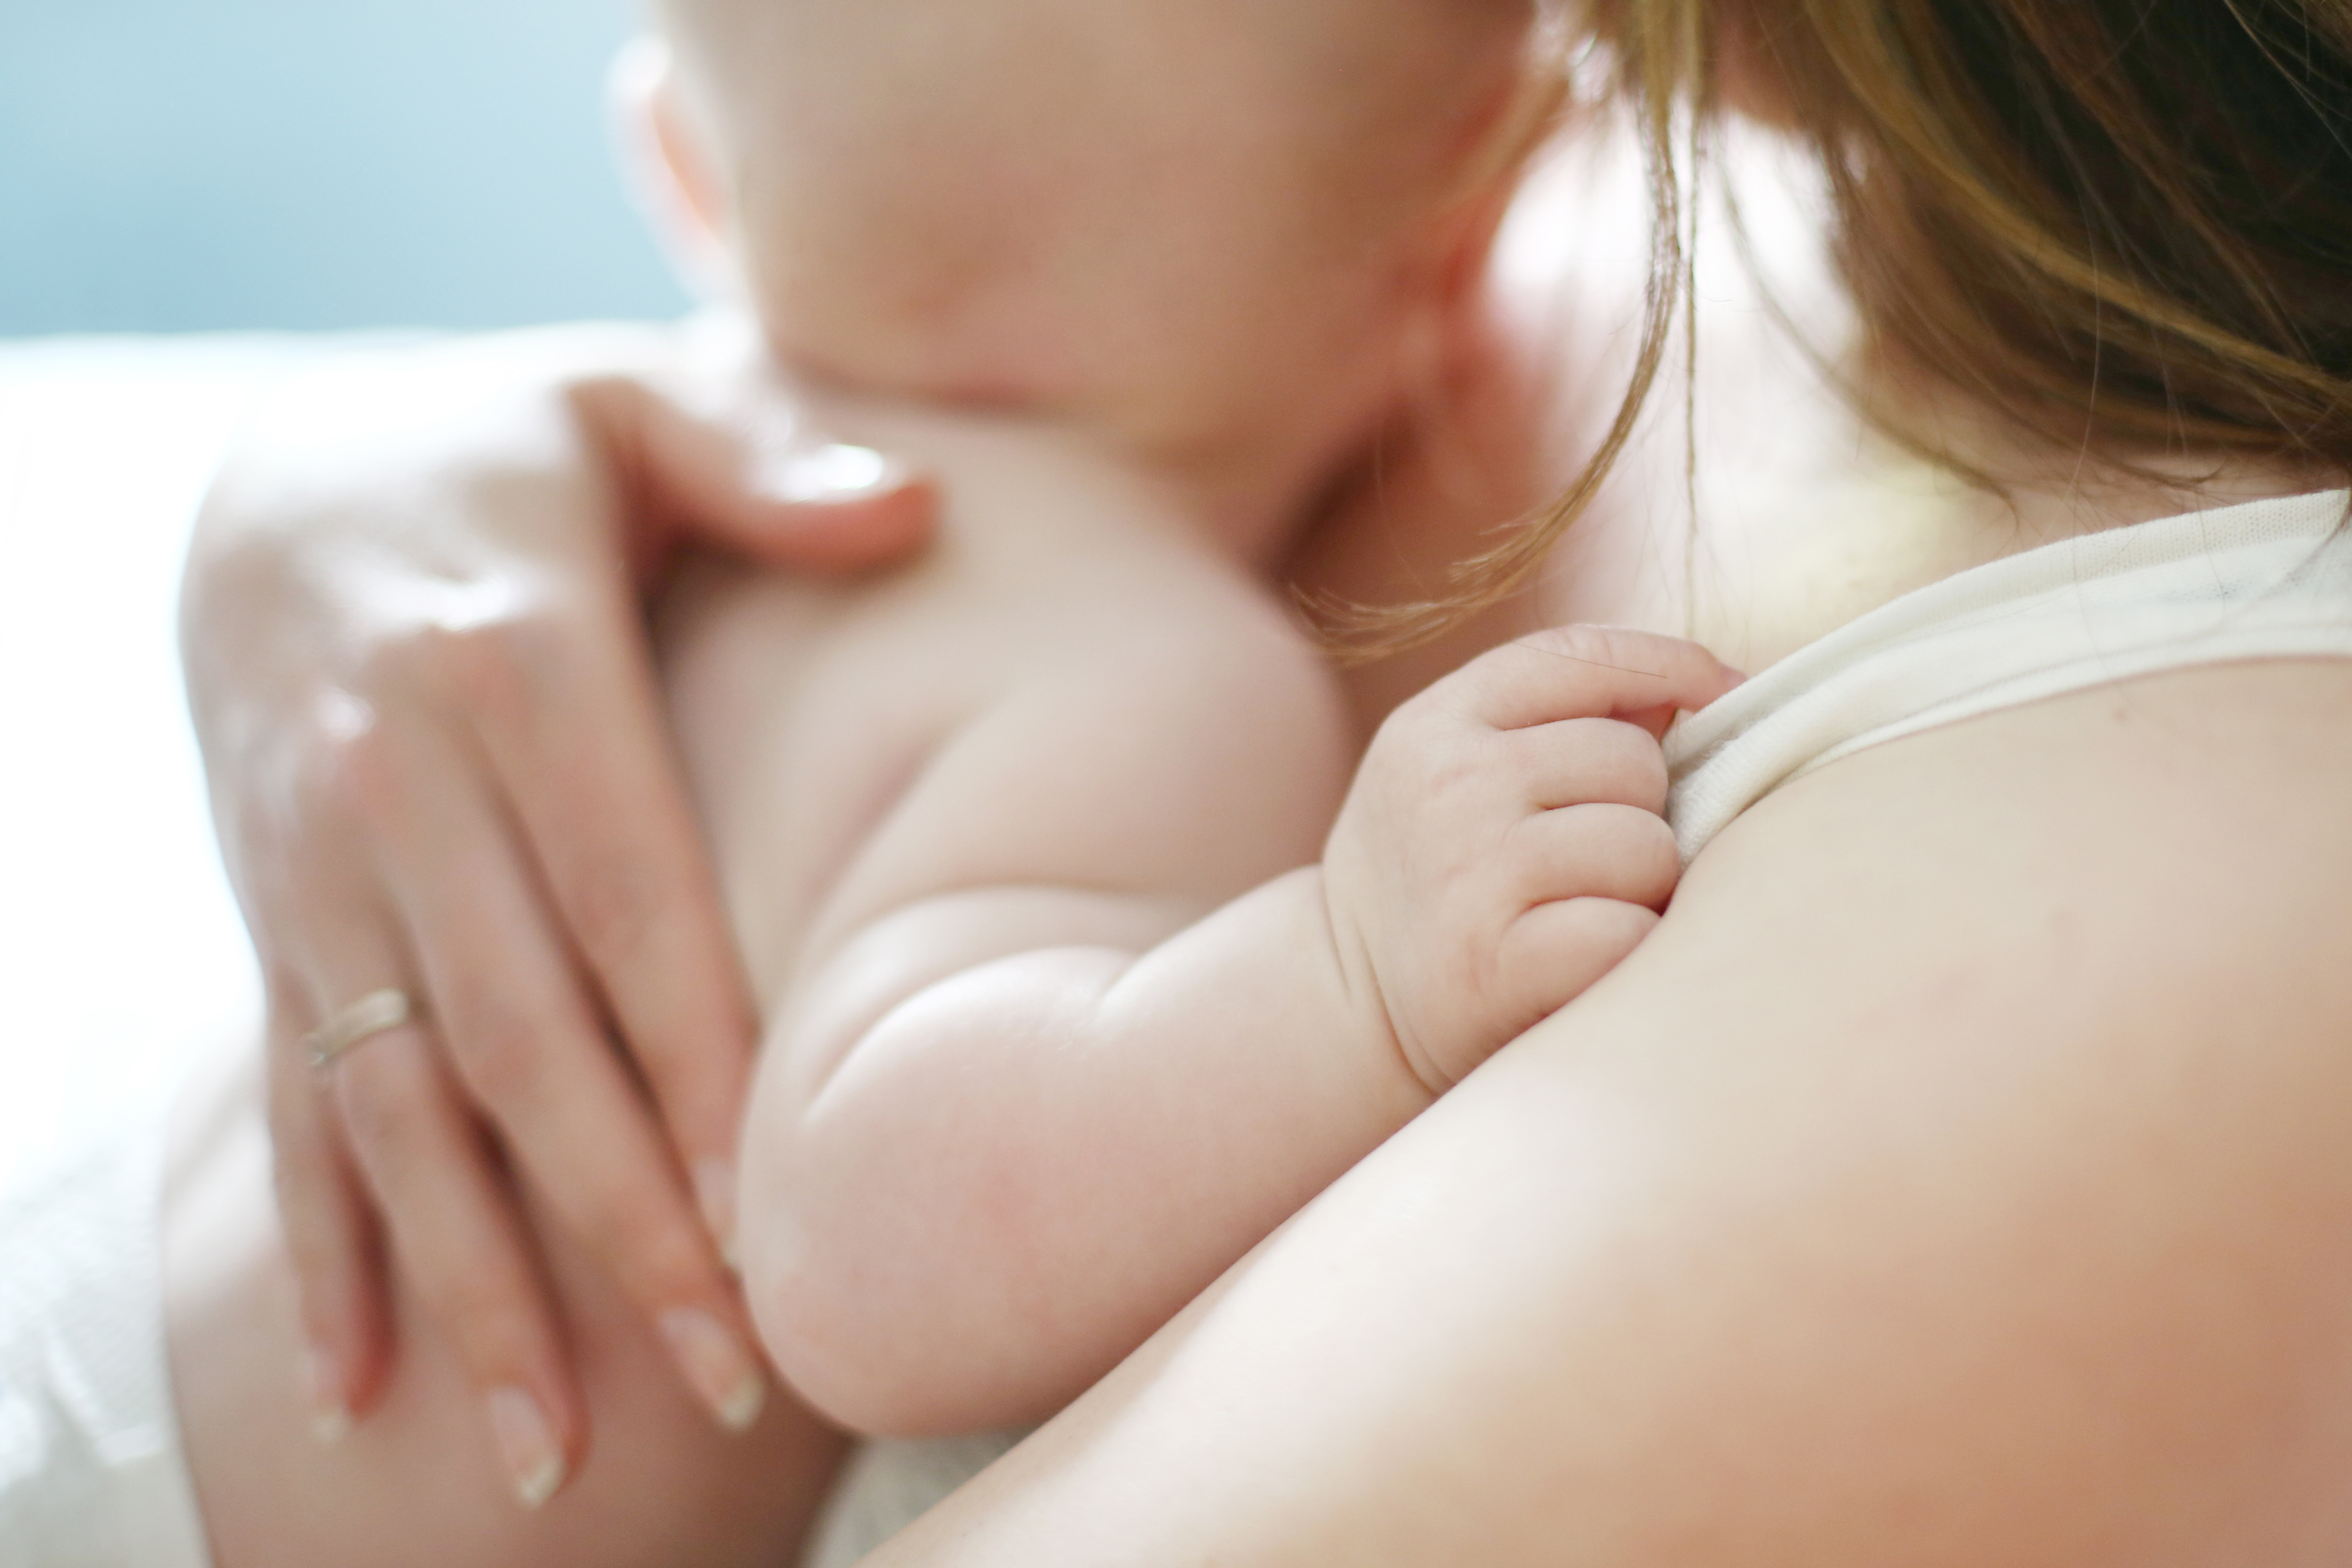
{"points": [[666, 165], [1524, 110], [1467, 244]]}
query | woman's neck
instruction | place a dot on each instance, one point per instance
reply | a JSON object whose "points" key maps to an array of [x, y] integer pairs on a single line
{"points": [[1777, 512]]}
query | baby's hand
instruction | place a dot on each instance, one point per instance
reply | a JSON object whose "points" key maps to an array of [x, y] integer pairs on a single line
{"points": [[1502, 847]]}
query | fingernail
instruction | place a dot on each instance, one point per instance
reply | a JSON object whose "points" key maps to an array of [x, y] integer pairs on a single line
{"points": [[714, 1362], [714, 1190], [527, 1444], [331, 1415], [835, 471]]}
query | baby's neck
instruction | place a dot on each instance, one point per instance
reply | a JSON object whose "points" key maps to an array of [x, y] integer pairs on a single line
{"points": [[1248, 489]]}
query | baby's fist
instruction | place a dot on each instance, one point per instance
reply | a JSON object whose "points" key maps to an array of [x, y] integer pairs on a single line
{"points": [[1503, 846]]}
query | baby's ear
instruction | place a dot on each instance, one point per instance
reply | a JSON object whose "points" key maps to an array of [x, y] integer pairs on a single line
{"points": [[668, 167]]}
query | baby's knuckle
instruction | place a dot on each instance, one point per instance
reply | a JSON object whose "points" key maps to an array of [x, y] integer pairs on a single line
{"points": [[1583, 644], [1463, 695], [1620, 828], [1508, 661], [1635, 767], [1456, 698], [1654, 858], [1451, 778], [1652, 836], [1521, 841], [1610, 925], [1620, 646]]}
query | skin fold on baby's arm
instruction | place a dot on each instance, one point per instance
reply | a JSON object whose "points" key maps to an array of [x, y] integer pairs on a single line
{"points": [[1079, 1020]]}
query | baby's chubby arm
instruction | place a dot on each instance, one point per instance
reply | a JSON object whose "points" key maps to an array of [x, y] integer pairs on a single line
{"points": [[1014, 1122]]}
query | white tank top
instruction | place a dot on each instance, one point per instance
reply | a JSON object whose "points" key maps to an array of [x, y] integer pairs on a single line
{"points": [[2270, 579]]}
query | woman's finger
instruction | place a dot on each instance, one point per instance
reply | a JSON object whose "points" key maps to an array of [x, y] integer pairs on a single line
{"points": [[530, 1049], [579, 745], [297, 886], [433, 1180], [331, 1236], [463, 1247], [753, 479]]}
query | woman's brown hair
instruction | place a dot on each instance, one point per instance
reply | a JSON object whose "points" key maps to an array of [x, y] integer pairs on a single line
{"points": [[2121, 223]]}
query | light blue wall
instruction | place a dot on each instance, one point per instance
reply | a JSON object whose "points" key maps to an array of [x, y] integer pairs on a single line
{"points": [[196, 165]]}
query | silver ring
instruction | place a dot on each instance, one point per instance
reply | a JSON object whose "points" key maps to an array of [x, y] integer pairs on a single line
{"points": [[370, 1014]]}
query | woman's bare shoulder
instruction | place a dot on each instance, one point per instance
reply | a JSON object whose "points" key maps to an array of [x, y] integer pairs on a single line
{"points": [[2149, 877], [2177, 828], [1959, 1175]]}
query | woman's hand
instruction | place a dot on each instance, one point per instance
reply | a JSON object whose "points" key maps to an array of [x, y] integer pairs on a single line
{"points": [[418, 670], [1503, 845]]}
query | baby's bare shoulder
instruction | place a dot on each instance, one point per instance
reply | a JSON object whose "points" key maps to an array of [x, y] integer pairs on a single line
{"points": [[1047, 682], [1058, 569]]}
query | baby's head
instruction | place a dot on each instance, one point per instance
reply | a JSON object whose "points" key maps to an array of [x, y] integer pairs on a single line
{"points": [[1186, 221]]}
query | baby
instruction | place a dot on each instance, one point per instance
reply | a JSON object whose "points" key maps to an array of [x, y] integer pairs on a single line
{"points": [[1078, 976]]}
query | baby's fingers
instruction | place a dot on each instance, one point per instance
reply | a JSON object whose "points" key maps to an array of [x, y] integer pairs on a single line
{"points": [[1593, 878], [1577, 672], [1554, 952], [1609, 761], [1595, 850]]}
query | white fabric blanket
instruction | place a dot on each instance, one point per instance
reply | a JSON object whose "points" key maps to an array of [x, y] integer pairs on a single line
{"points": [[118, 937]]}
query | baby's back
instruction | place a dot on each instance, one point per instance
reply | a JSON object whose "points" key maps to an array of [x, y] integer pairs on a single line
{"points": [[1065, 588]]}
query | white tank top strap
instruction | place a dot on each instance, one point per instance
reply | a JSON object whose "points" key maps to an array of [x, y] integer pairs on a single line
{"points": [[2269, 579]]}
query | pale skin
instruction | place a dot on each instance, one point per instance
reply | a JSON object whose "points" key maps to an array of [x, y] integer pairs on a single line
{"points": [[354, 834], [1746, 1148], [2072, 1146], [977, 820], [1026, 1086], [1328, 228], [1972, 1197], [1094, 600], [1951, 1178]]}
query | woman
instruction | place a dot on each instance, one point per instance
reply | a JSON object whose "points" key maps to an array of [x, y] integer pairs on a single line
{"points": [[1957, 1175]]}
